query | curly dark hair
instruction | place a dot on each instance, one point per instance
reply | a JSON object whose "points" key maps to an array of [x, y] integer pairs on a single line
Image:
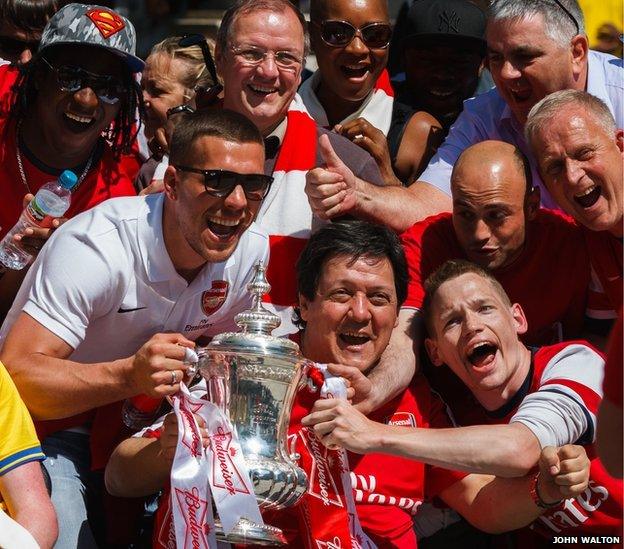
{"points": [[123, 130]]}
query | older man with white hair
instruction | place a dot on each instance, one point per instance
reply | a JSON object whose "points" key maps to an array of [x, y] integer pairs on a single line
{"points": [[580, 152]]}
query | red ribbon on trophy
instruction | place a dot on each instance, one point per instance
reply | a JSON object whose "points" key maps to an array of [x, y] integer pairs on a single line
{"points": [[328, 510]]}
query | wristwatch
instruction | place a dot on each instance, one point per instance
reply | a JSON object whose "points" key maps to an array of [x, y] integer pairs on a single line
{"points": [[537, 498]]}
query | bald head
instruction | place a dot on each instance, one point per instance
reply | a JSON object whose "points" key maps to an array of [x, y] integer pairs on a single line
{"points": [[493, 201], [492, 161]]}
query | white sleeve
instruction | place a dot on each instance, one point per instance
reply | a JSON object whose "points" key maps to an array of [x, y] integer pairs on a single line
{"points": [[563, 410], [467, 130], [73, 281]]}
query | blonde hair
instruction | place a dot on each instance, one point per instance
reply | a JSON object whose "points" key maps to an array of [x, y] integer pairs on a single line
{"points": [[197, 74]]}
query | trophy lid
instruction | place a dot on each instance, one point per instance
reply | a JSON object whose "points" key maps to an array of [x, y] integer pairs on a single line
{"points": [[256, 325]]}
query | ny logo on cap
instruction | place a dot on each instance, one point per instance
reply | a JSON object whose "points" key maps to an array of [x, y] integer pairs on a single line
{"points": [[449, 22], [107, 22]]}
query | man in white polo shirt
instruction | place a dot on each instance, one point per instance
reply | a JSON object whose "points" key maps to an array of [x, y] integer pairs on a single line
{"points": [[534, 48], [119, 293]]}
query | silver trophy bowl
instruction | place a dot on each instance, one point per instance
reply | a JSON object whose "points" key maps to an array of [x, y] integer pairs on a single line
{"points": [[253, 377]]}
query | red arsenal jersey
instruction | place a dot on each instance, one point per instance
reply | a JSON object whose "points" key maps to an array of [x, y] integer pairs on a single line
{"points": [[612, 385], [605, 252], [598, 510]]}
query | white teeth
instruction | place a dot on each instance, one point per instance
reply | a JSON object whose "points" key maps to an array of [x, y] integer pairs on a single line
{"points": [[81, 119], [441, 93], [478, 345], [354, 334], [260, 89], [585, 192], [224, 222]]}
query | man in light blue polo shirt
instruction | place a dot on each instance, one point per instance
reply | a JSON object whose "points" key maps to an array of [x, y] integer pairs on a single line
{"points": [[535, 47]]}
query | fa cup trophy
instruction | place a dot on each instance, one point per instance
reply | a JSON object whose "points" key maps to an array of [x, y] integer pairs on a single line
{"points": [[252, 377]]}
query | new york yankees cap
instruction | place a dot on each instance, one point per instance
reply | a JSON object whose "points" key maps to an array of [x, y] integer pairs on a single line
{"points": [[447, 21]]}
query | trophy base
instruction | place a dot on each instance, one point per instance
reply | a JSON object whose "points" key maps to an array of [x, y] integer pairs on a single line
{"points": [[247, 532]]}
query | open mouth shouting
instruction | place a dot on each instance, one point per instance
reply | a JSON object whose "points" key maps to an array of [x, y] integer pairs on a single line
{"points": [[588, 197], [78, 122], [481, 354], [353, 340], [356, 71], [223, 229]]}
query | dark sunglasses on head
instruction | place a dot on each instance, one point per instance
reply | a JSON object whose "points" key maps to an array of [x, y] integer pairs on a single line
{"points": [[14, 46], [71, 79], [221, 183], [178, 109], [570, 16], [340, 33]]}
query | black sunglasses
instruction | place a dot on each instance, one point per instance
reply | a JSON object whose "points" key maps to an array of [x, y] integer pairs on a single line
{"points": [[569, 14], [221, 183], [340, 33], [178, 109], [204, 97], [14, 46], [71, 79]]}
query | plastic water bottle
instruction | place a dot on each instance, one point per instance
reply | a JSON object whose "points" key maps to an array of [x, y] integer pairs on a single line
{"points": [[51, 201]]}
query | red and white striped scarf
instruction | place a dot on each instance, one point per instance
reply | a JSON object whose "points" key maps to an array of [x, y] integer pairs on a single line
{"points": [[376, 108], [286, 214]]}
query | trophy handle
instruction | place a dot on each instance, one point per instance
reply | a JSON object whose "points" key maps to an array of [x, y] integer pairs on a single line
{"points": [[192, 360]]}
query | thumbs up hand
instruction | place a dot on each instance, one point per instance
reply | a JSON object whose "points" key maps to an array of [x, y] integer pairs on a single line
{"points": [[330, 190]]}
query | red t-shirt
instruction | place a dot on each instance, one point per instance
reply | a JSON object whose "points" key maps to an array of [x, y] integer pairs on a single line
{"points": [[549, 279], [612, 384], [8, 77], [605, 252], [597, 511], [107, 178], [387, 490]]}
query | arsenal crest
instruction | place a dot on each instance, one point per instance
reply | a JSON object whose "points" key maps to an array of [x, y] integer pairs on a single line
{"points": [[107, 22], [211, 300]]}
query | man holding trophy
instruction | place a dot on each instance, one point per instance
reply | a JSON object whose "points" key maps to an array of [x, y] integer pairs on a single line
{"points": [[352, 279], [120, 293]]}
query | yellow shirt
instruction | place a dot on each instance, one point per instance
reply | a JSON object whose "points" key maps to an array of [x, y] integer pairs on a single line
{"points": [[18, 439]]}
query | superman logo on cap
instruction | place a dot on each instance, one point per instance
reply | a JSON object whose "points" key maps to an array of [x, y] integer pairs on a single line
{"points": [[107, 22]]}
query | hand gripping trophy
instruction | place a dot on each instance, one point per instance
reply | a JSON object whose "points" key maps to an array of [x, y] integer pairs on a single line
{"points": [[251, 379]]}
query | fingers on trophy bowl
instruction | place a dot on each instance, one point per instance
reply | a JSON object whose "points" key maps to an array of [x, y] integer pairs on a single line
{"points": [[277, 485]]}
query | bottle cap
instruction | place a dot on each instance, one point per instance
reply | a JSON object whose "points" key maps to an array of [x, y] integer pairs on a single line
{"points": [[68, 179]]}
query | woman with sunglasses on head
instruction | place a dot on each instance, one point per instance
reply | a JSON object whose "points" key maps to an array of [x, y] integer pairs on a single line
{"points": [[71, 107], [169, 81], [351, 91]]}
